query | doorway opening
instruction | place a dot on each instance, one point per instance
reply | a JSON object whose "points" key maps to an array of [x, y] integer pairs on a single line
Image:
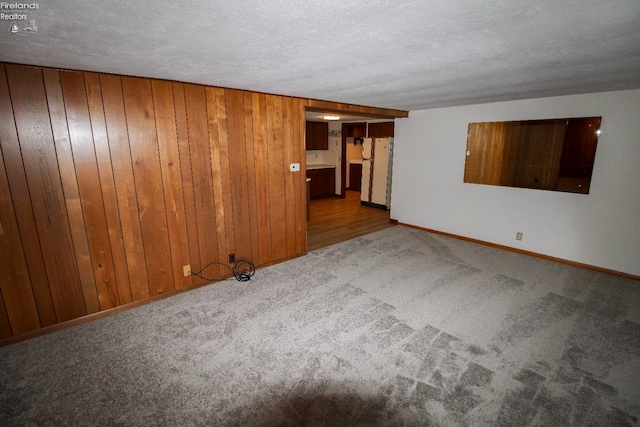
{"points": [[334, 162]]}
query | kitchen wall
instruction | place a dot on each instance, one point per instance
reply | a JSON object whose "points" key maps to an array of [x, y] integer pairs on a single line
{"points": [[600, 229], [109, 185]]}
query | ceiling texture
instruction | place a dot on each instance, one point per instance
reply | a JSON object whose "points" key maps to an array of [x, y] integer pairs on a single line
{"points": [[403, 54]]}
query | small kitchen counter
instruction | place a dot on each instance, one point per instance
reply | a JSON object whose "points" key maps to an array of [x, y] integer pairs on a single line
{"points": [[320, 166]]}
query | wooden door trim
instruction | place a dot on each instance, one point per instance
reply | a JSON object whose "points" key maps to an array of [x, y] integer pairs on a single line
{"points": [[343, 166]]}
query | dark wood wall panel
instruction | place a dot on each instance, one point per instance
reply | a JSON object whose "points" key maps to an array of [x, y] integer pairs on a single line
{"points": [[252, 202], [17, 181], [289, 179], [202, 167], [238, 173], [71, 190], [5, 325], [126, 194], [122, 286], [15, 287], [109, 185], [187, 180], [301, 187], [277, 205], [40, 162], [141, 125], [219, 142], [260, 149], [89, 186], [171, 178]]}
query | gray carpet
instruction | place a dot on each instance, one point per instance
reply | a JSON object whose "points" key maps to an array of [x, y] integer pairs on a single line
{"points": [[399, 327]]}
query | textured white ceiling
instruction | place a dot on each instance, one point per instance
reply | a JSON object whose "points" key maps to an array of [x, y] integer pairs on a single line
{"points": [[404, 54]]}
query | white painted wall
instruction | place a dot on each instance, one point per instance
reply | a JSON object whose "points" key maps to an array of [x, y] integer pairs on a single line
{"points": [[600, 229]]}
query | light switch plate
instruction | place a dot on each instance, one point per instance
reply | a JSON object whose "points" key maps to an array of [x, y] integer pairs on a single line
{"points": [[294, 167]]}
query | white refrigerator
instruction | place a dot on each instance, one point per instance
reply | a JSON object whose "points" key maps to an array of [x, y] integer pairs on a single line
{"points": [[377, 160]]}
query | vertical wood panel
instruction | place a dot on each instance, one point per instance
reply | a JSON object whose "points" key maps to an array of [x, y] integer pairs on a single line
{"points": [[171, 177], [485, 142], [69, 181], [196, 107], [220, 170], [5, 327], [508, 165], [289, 177], [299, 153], [238, 172], [17, 179], [225, 173], [84, 155], [261, 154], [251, 174], [115, 119], [36, 141], [276, 178], [187, 178], [141, 126], [15, 284], [107, 186], [540, 148]]}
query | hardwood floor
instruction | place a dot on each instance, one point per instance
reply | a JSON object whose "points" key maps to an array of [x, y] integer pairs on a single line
{"points": [[335, 220]]}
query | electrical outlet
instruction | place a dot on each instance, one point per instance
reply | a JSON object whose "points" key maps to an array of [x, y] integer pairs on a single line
{"points": [[518, 236], [186, 270], [232, 258]]}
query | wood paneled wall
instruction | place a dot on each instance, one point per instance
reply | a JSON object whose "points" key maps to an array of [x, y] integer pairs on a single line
{"points": [[110, 184], [521, 154]]}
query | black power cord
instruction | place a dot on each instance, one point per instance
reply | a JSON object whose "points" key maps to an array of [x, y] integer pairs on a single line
{"points": [[242, 270]]}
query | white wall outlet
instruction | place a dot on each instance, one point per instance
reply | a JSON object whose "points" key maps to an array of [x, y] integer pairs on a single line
{"points": [[294, 167], [518, 236], [186, 270]]}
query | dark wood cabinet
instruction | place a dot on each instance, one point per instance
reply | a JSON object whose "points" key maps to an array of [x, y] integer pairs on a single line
{"points": [[381, 130], [355, 176], [323, 183], [317, 136], [356, 130]]}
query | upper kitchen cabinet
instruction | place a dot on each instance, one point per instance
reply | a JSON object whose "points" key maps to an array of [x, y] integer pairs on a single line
{"points": [[356, 130], [381, 130], [317, 136]]}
